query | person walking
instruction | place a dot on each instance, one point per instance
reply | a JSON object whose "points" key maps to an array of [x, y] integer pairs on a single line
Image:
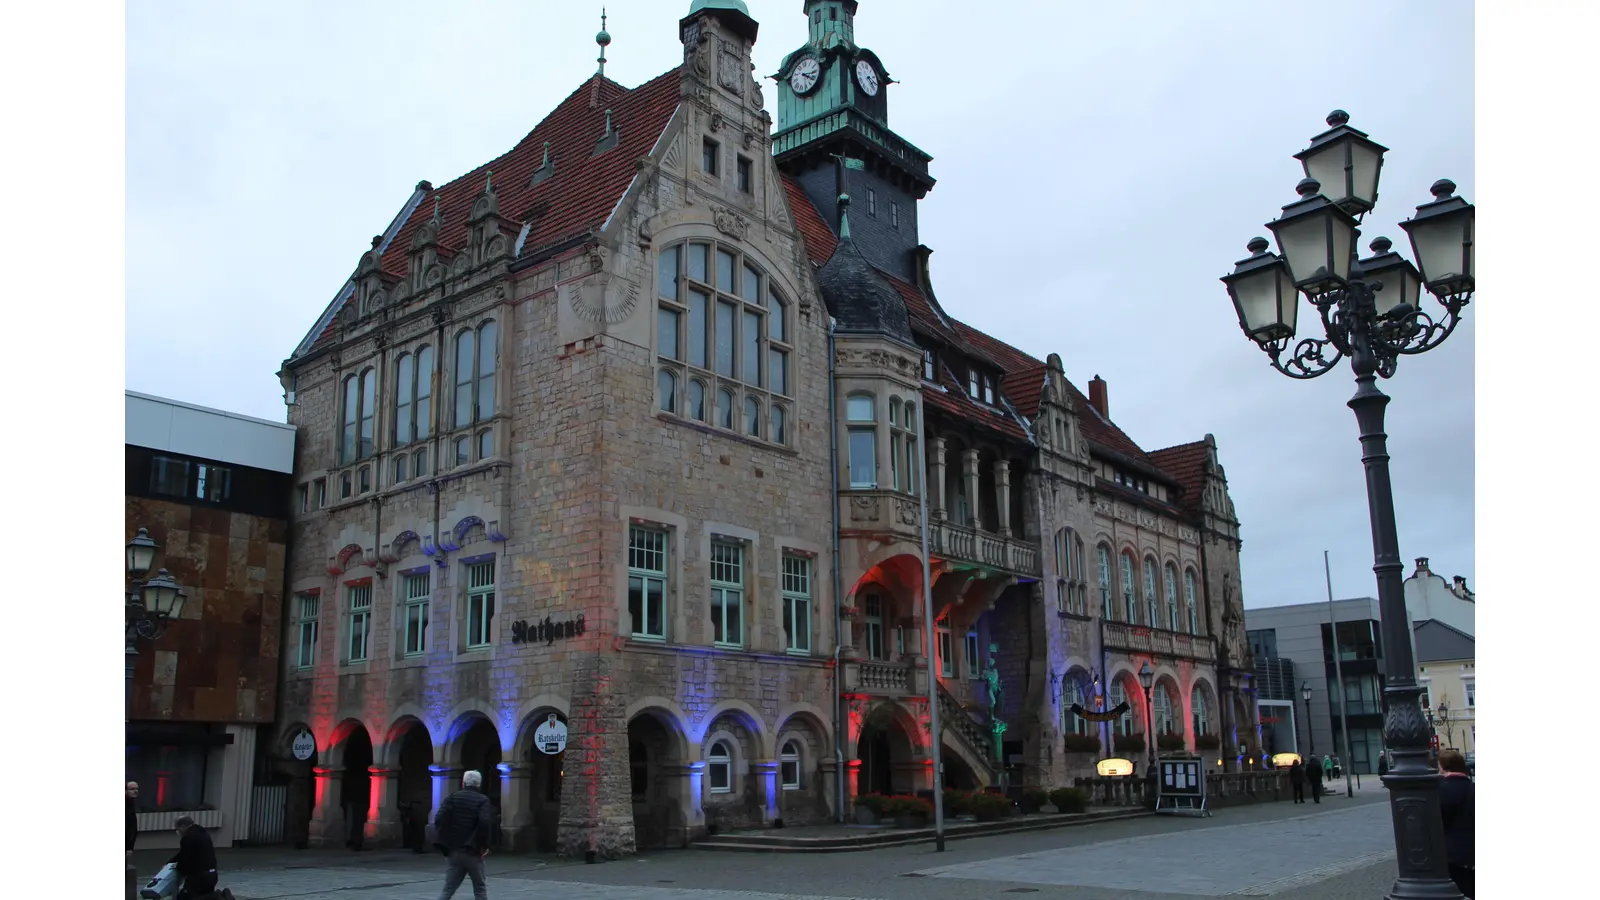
{"points": [[1297, 780], [465, 825], [1456, 808], [131, 792], [196, 860], [1314, 774], [1327, 768]]}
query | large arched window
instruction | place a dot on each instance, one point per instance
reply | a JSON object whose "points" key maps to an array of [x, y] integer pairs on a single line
{"points": [[360, 408], [789, 765], [1074, 694], [1188, 599], [1162, 701], [719, 768], [861, 414], [1173, 621], [1103, 559], [1130, 606], [720, 319], [1119, 695], [413, 396], [1151, 611], [477, 358], [1201, 712]]}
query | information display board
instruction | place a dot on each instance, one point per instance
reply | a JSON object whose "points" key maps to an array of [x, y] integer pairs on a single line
{"points": [[1181, 787]]}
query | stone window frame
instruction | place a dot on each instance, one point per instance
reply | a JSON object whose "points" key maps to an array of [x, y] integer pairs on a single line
{"points": [[701, 390], [405, 603], [1170, 579], [866, 427], [358, 402], [467, 442], [301, 621], [795, 758], [419, 425], [1190, 589], [735, 588], [1126, 568], [745, 177], [727, 762], [1103, 553], [904, 459], [664, 574], [469, 592], [349, 613], [1151, 576], [972, 655]]}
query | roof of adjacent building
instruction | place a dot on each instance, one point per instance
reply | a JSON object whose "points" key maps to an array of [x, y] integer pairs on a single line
{"points": [[1437, 641], [1187, 464], [587, 187], [184, 429]]}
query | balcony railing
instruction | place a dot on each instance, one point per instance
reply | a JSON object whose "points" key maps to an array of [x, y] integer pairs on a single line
{"points": [[1139, 639], [1008, 554], [884, 679]]}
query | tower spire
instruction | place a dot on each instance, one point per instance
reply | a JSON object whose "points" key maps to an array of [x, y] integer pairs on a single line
{"points": [[604, 40]]}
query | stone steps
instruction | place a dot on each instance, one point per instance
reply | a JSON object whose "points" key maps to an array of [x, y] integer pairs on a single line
{"points": [[870, 838]]}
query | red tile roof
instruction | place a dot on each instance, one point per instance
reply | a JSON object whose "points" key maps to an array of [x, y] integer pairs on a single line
{"points": [[819, 239], [585, 188], [1187, 464]]}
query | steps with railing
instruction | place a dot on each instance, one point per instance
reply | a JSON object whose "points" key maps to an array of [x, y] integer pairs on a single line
{"points": [[955, 719]]}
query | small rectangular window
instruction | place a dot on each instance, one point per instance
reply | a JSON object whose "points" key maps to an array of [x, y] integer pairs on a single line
{"points": [[320, 488], [927, 367], [303, 498], [988, 390], [947, 655], [972, 383], [416, 589], [480, 604], [894, 215], [169, 477], [708, 157], [647, 582], [796, 603], [307, 614], [872, 203], [360, 601], [727, 594], [972, 655], [745, 172]]}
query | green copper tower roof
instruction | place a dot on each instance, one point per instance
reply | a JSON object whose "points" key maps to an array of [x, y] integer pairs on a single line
{"points": [[735, 5]]}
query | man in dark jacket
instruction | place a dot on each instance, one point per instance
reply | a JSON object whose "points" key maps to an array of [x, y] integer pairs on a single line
{"points": [[465, 825], [196, 860], [1314, 774], [133, 815], [1455, 807], [1297, 780]]}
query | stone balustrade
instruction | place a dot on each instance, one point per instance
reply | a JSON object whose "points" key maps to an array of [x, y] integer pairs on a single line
{"points": [[1222, 789], [1157, 641]]}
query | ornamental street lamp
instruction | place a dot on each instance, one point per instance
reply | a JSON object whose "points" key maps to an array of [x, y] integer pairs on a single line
{"points": [[150, 605], [1369, 310], [1147, 680], [1305, 694], [1444, 719]]}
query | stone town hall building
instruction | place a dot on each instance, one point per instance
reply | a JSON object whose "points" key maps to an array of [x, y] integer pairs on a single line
{"points": [[632, 425]]}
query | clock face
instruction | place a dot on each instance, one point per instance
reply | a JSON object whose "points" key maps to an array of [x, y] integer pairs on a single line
{"points": [[805, 75], [867, 77]]}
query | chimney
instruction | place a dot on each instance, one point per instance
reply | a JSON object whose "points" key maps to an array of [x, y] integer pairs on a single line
{"points": [[1097, 397], [1422, 564], [1461, 586]]}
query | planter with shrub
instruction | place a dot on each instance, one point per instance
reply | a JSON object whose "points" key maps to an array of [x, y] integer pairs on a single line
{"points": [[1128, 743], [957, 803], [1033, 799], [1069, 800], [1207, 742], [908, 812], [869, 808], [1082, 743], [990, 807], [1171, 743]]}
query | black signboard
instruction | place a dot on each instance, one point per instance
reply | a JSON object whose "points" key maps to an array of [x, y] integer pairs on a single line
{"points": [[1181, 787]]}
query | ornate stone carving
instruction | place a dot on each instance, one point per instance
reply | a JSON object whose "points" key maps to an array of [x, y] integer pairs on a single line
{"points": [[908, 512], [596, 255], [749, 139], [603, 312], [717, 121], [731, 223], [864, 509], [730, 66]]}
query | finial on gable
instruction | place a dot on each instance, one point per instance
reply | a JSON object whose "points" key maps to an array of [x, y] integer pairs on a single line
{"points": [[604, 40]]}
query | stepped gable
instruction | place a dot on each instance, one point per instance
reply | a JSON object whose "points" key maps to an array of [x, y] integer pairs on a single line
{"points": [[1186, 463], [582, 193]]}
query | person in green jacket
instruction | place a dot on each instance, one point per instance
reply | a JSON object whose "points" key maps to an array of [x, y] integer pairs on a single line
{"points": [[1327, 767]]}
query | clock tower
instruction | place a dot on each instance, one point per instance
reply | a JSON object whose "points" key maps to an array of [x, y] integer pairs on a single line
{"points": [[833, 100]]}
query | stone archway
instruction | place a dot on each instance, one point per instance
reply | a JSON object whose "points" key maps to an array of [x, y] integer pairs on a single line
{"points": [[478, 749], [655, 747], [355, 786], [537, 819], [887, 751], [410, 765]]}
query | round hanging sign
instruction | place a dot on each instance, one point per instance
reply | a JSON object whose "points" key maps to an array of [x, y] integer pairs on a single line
{"points": [[304, 746], [551, 737]]}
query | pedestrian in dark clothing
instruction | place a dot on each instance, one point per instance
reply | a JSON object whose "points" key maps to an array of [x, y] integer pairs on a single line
{"points": [[1455, 806], [465, 825], [196, 860], [133, 814], [1297, 780], [1314, 773]]}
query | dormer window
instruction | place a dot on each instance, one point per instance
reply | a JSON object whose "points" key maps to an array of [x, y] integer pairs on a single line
{"points": [[1130, 482], [988, 390], [872, 203], [972, 383], [927, 367]]}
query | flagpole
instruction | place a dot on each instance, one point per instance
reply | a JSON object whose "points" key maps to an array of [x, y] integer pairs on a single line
{"points": [[1338, 672]]}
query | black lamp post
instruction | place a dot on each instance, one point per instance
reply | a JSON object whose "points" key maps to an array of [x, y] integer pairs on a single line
{"points": [[149, 606], [1147, 680], [1444, 719], [1370, 310], [1305, 694]]}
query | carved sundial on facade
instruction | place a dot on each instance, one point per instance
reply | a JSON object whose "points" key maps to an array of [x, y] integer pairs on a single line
{"points": [[598, 305]]}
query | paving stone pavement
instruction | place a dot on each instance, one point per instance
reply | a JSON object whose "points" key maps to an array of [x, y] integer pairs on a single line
{"points": [[1256, 859], [325, 884]]}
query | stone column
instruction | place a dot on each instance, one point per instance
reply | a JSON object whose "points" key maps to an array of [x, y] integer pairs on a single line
{"points": [[765, 772], [383, 812], [684, 788], [446, 781], [969, 469], [828, 771], [934, 484], [516, 806], [327, 819], [597, 790], [1002, 490]]}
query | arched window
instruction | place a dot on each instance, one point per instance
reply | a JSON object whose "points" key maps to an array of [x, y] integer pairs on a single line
{"points": [[352, 415], [752, 416], [345, 489], [1151, 586], [719, 768], [405, 385], [1174, 623], [720, 320], [486, 444], [1188, 599], [1119, 695], [1130, 606], [789, 765], [780, 430], [1063, 562], [1162, 701], [697, 400], [1103, 558], [725, 408], [360, 410], [463, 450], [667, 389], [861, 414], [1201, 713], [1074, 694], [1081, 588], [419, 463], [423, 411], [477, 358]]}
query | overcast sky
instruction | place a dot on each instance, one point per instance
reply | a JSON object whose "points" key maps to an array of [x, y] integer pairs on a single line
{"points": [[1099, 166]]}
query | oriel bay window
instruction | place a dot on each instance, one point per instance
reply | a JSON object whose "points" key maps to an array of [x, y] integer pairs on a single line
{"points": [[903, 459], [862, 417], [727, 594], [722, 340]]}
